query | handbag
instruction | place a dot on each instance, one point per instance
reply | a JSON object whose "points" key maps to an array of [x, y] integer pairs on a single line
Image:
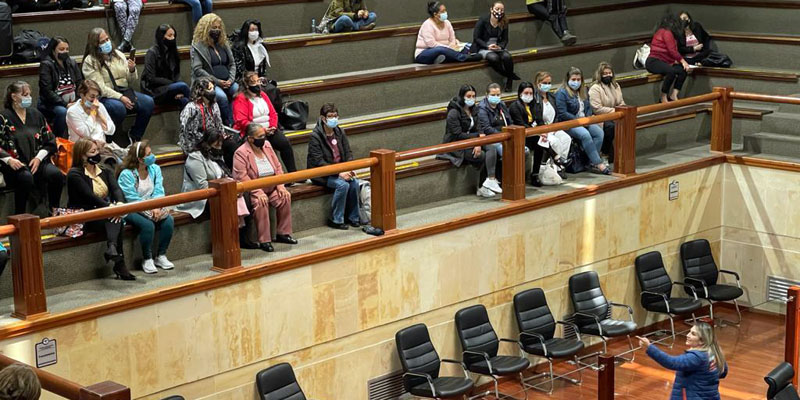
{"points": [[63, 158], [294, 115], [640, 58], [548, 174], [580, 161], [716, 59], [74, 230], [127, 92]]}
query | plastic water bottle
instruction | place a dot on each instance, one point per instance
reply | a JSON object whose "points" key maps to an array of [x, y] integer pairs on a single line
{"points": [[313, 25]]}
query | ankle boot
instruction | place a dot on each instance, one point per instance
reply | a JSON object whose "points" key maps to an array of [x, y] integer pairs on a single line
{"points": [[121, 270], [535, 181]]}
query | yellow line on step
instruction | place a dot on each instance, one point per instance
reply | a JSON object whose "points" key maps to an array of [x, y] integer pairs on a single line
{"points": [[374, 120]]}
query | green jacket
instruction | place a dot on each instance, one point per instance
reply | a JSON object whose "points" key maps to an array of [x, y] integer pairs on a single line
{"points": [[344, 7]]}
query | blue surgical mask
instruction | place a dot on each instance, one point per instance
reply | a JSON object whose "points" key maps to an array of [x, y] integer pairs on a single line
{"points": [[494, 100], [575, 85], [105, 48], [88, 103], [150, 160], [25, 101], [443, 17], [469, 102], [545, 87], [332, 122]]}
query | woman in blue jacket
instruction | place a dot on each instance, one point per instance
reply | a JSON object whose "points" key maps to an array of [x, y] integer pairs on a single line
{"points": [[572, 102], [140, 179], [699, 369]]}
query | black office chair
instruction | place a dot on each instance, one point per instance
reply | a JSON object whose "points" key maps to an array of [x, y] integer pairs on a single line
{"points": [[480, 344], [421, 366], [780, 383], [278, 383], [593, 310], [656, 295], [537, 329], [701, 272]]}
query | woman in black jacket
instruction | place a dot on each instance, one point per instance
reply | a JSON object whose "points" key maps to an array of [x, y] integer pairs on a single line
{"points": [[161, 78], [90, 187], [249, 50], [490, 38], [59, 79], [694, 43]]}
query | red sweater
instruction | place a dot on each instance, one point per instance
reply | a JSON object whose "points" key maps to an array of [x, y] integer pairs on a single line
{"points": [[243, 113], [664, 47]]}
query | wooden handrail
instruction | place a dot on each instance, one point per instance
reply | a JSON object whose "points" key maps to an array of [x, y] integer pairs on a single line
{"points": [[50, 382], [679, 103], [563, 126], [765, 98], [452, 146], [310, 173], [7, 230]]}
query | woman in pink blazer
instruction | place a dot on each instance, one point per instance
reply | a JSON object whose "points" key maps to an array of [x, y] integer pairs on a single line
{"points": [[255, 159]]}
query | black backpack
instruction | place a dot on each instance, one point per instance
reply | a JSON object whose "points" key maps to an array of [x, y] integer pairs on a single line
{"points": [[29, 45], [580, 161], [6, 31]]}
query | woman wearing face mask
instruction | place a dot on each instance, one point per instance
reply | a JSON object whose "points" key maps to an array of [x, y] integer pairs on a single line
{"points": [[203, 165], [490, 38], [162, 70], [116, 76], [493, 116], [529, 111], [212, 57], [604, 95], [59, 79], [200, 116], [253, 160], [699, 369], [88, 119], [436, 40], [140, 179], [249, 50], [572, 102], [90, 187], [26, 145], [694, 43], [462, 124], [666, 60]]}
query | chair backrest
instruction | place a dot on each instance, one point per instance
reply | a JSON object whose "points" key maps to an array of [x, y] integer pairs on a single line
{"points": [[652, 277], [780, 383], [587, 297], [698, 262], [279, 383], [417, 354], [476, 332], [533, 314]]}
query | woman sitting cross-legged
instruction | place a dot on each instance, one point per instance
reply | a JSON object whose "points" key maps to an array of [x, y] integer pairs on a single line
{"points": [[604, 95], [162, 70], [203, 165], [253, 160], [140, 179], [436, 40]]}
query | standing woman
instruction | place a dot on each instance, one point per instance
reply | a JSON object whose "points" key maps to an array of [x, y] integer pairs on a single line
{"points": [[162, 70], [249, 50], [436, 40], [572, 102], [490, 39], [554, 12], [59, 79], [699, 369], [212, 57], [116, 77], [604, 95], [665, 59], [695, 43]]}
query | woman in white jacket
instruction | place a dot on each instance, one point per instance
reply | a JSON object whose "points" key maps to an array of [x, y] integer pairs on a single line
{"points": [[89, 119]]}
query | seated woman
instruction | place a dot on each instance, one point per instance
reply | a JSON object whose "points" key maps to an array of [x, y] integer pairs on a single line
{"points": [[249, 50], [493, 116], [116, 77], [436, 40], [90, 187], [3, 258], [604, 95], [695, 43], [328, 145], [572, 102], [26, 145], [666, 60], [200, 116], [252, 105], [203, 165], [490, 38], [534, 108], [255, 159], [350, 15], [462, 124], [212, 57], [554, 12], [88, 119], [140, 179], [59, 78], [161, 78]]}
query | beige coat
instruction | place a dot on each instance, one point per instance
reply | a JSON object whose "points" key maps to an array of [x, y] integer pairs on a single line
{"points": [[119, 68], [604, 98]]}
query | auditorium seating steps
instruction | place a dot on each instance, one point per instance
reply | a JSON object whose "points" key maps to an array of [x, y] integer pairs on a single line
{"points": [[779, 134]]}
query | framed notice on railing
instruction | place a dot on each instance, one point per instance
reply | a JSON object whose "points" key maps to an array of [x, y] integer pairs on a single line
{"points": [[46, 353]]}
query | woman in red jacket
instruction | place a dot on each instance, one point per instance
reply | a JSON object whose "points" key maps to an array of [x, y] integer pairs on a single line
{"points": [[665, 59], [251, 105]]}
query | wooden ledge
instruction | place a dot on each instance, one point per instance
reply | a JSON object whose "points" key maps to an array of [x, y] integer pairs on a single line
{"points": [[787, 4]]}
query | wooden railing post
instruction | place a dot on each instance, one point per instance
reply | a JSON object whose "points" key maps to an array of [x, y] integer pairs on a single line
{"points": [[625, 141], [605, 377], [27, 271], [793, 328], [225, 226], [382, 181], [105, 391], [722, 120], [514, 164]]}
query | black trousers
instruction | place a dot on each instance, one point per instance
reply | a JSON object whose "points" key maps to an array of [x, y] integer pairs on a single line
{"points": [[279, 142], [112, 230], [501, 62], [3, 261], [540, 154], [673, 74], [556, 15], [609, 127], [23, 182]]}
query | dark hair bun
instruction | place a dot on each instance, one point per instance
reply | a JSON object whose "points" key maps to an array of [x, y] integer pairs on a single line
{"points": [[433, 7]]}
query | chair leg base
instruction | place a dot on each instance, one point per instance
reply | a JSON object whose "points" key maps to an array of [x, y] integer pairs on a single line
{"points": [[552, 378]]}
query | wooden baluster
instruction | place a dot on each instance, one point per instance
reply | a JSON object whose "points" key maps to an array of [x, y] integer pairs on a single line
{"points": [[605, 377], [514, 164], [382, 177], [722, 120], [225, 226], [27, 271], [105, 391], [793, 329], [625, 141]]}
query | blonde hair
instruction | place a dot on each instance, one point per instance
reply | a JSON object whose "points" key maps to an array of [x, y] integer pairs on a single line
{"points": [[540, 76], [709, 344], [19, 382], [598, 75], [204, 26], [581, 92]]}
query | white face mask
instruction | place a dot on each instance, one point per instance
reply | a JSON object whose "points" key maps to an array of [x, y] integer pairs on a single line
{"points": [[526, 98], [253, 36]]}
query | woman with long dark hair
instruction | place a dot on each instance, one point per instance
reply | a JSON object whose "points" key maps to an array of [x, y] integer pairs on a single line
{"points": [[203, 165], [162, 70], [665, 59], [490, 39], [59, 79], [694, 42], [249, 50]]}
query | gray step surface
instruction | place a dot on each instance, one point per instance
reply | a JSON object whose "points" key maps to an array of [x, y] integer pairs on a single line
{"points": [[772, 143], [783, 123]]}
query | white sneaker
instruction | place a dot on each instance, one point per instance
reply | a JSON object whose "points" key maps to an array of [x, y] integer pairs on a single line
{"points": [[148, 267], [484, 192], [492, 185], [164, 263]]}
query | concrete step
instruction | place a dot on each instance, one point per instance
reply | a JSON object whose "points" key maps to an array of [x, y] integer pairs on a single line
{"points": [[783, 123], [772, 143]]}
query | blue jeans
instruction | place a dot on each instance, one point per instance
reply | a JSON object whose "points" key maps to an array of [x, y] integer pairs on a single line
{"points": [[147, 229], [143, 109], [224, 103], [58, 116], [591, 138], [428, 56], [345, 199], [199, 8], [174, 89], [499, 148], [346, 24]]}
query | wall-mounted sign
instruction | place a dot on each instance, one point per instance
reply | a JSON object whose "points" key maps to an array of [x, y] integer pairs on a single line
{"points": [[673, 190], [46, 353]]}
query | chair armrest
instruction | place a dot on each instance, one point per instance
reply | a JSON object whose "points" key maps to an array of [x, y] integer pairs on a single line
{"points": [[702, 282], [426, 376], [663, 296], [596, 320], [461, 363], [686, 285], [736, 275], [620, 305], [517, 342], [574, 327], [483, 354], [535, 335]]}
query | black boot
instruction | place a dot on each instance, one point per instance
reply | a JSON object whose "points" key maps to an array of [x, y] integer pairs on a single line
{"points": [[121, 270], [244, 241], [509, 85], [535, 181], [124, 46]]}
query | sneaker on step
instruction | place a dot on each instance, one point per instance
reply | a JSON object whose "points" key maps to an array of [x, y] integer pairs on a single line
{"points": [[149, 267], [163, 262], [492, 185], [439, 59], [484, 192]]}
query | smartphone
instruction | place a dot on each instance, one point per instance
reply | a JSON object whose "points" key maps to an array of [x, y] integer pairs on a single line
{"points": [[133, 54]]}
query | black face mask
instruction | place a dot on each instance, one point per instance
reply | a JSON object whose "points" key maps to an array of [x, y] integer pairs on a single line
{"points": [[210, 95], [685, 23], [93, 160], [607, 79], [171, 44], [63, 57], [215, 34], [215, 152], [255, 89], [259, 142], [498, 15]]}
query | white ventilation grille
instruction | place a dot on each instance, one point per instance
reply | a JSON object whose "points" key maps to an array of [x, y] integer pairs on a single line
{"points": [[386, 387], [777, 287]]}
